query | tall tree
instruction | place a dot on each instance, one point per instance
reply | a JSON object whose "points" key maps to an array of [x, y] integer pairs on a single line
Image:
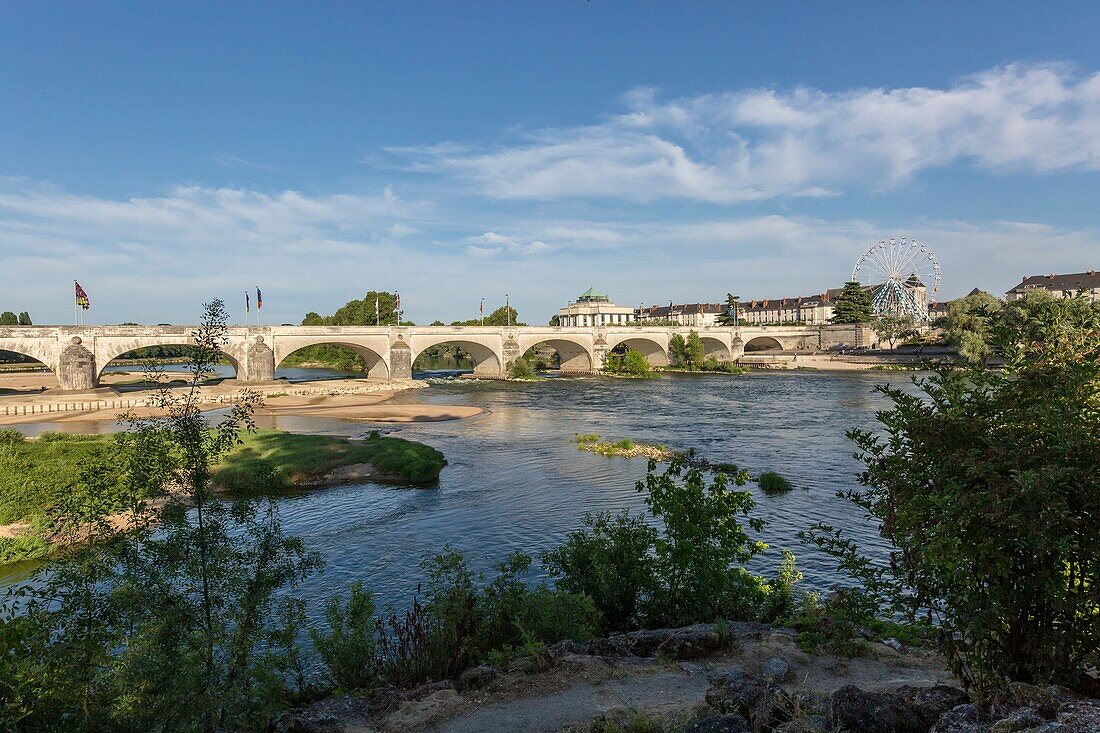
{"points": [[7, 318], [853, 305], [502, 316], [687, 352], [25, 319], [731, 316], [967, 325], [890, 328]]}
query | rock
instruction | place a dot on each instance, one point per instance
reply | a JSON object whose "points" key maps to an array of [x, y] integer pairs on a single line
{"points": [[477, 677], [562, 648], [905, 710], [892, 643], [763, 704], [778, 669], [1079, 716], [722, 723], [584, 661], [736, 692], [961, 719], [324, 716], [418, 713], [523, 665], [690, 642], [1024, 719], [1044, 700]]}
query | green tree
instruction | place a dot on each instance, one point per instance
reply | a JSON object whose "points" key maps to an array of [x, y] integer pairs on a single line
{"points": [[731, 317], [890, 328], [853, 305], [966, 326], [7, 318], [688, 570], [631, 363], [687, 352], [25, 319], [179, 622], [502, 316], [987, 483]]}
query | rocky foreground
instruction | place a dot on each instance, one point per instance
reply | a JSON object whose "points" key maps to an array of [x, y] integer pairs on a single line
{"points": [[748, 678]]}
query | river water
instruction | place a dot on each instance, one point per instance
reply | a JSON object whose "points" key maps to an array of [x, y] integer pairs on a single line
{"points": [[516, 481]]}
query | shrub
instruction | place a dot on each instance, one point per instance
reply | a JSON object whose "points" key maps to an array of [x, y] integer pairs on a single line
{"points": [[688, 572], [348, 648], [11, 436], [987, 483], [611, 562], [521, 369], [632, 363], [773, 483]]}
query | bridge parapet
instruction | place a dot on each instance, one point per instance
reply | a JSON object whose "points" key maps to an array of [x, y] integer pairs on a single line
{"points": [[78, 354]]}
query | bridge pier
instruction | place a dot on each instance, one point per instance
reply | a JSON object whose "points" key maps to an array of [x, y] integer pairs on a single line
{"points": [[401, 361], [76, 370], [259, 363]]}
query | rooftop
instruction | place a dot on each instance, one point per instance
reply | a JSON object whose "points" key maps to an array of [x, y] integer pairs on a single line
{"points": [[591, 295], [1072, 281]]}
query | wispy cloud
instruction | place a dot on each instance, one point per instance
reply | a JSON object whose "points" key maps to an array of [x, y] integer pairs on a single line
{"points": [[233, 161], [762, 143]]}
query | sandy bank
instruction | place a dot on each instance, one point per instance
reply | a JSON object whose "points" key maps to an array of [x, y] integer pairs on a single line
{"points": [[346, 399], [367, 408]]}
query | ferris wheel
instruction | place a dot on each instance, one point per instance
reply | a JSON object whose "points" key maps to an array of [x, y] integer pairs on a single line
{"points": [[902, 274]]}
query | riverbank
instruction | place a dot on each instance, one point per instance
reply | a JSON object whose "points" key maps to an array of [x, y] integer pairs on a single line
{"points": [[737, 676], [361, 400]]}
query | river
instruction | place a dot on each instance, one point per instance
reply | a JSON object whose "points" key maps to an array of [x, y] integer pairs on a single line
{"points": [[515, 481]]}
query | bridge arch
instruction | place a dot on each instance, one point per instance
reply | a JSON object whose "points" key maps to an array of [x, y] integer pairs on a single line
{"points": [[717, 348], [655, 352], [105, 357], [486, 359], [374, 362], [575, 354], [763, 343]]}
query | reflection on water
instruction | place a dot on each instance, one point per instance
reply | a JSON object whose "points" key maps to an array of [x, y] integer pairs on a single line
{"points": [[516, 482]]}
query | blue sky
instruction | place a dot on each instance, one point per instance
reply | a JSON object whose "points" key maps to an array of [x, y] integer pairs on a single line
{"points": [[167, 154]]}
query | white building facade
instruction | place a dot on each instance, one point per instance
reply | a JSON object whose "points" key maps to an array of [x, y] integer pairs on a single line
{"points": [[592, 308]]}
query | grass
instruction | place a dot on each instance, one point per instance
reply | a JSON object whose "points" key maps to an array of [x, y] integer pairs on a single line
{"points": [[896, 367], [38, 475], [298, 458], [772, 483], [625, 448]]}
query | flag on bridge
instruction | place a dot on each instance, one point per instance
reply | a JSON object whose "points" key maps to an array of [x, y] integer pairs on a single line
{"points": [[247, 308], [82, 297], [259, 299], [397, 303]]}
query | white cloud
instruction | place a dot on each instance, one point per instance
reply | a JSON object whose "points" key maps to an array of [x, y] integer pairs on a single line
{"points": [[762, 143]]}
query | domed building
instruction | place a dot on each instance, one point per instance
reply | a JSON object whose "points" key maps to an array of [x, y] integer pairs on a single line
{"points": [[592, 308]]}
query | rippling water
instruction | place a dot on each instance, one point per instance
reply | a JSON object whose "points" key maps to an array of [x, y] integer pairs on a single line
{"points": [[515, 481]]}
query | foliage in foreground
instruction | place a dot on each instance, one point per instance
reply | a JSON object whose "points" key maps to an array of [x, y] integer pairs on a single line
{"points": [[987, 484], [176, 623], [687, 571]]}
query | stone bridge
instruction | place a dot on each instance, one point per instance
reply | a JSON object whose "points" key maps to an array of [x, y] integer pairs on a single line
{"points": [[78, 354]]}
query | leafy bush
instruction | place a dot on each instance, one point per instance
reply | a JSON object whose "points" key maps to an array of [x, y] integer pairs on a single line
{"points": [[465, 620], [11, 436], [987, 483], [521, 369], [611, 562], [632, 363], [773, 483], [348, 649], [14, 549], [689, 571]]}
